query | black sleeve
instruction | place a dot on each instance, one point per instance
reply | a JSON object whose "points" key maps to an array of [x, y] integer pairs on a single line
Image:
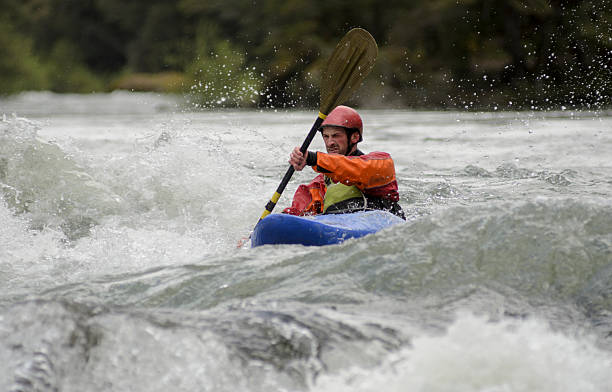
{"points": [[311, 158]]}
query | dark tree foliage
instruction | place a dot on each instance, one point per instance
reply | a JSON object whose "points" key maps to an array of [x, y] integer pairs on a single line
{"points": [[506, 54]]}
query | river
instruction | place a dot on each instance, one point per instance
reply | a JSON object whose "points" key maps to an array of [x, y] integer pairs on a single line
{"points": [[119, 219]]}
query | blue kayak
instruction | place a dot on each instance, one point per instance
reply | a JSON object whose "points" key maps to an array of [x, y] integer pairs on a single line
{"points": [[320, 229]]}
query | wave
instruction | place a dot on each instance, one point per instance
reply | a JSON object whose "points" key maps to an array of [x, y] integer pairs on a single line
{"points": [[474, 354], [61, 345], [545, 256], [39, 179], [512, 171], [155, 208], [180, 181]]}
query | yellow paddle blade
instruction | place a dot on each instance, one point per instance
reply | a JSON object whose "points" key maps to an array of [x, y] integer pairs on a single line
{"points": [[349, 64]]}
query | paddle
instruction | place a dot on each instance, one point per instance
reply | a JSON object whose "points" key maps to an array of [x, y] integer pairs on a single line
{"points": [[351, 61]]}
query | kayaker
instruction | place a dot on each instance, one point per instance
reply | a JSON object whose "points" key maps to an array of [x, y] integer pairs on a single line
{"points": [[349, 180]]}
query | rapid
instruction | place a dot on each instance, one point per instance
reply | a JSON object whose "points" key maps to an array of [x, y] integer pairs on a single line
{"points": [[119, 219]]}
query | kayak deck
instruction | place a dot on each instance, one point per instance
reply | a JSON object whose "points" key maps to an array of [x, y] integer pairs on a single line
{"points": [[320, 229]]}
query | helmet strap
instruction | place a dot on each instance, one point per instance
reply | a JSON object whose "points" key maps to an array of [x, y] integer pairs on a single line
{"points": [[349, 136]]}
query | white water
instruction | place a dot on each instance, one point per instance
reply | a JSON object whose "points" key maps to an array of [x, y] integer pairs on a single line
{"points": [[120, 214]]}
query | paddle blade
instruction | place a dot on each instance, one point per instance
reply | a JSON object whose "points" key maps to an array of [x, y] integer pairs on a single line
{"points": [[349, 64]]}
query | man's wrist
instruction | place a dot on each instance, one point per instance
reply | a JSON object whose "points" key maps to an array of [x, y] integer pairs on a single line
{"points": [[311, 158]]}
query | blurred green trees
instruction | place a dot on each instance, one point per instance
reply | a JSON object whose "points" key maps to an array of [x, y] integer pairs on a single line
{"points": [[433, 53], [20, 68]]}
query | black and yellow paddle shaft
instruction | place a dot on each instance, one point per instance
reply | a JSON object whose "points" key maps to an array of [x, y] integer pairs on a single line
{"points": [[281, 187], [351, 61]]}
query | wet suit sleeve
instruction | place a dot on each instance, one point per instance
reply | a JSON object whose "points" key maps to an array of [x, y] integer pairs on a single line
{"points": [[372, 170]]}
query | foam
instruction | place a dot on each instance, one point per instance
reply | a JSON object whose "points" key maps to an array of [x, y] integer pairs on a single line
{"points": [[477, 355]]}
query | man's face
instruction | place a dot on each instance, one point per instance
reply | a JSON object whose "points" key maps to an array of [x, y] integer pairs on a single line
{"points": [[335, 139]]}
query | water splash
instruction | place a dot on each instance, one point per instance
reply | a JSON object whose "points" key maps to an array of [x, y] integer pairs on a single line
{"points": [[527, 353], [39, 179]]}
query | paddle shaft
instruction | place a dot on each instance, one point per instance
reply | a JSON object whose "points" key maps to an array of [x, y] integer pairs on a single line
{"points": [[281, 187]]}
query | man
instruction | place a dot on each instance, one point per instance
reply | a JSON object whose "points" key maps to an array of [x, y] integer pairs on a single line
{"points": [[350, 180]]}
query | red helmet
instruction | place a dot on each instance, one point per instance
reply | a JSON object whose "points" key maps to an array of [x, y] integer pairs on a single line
{"points": [[345, 117]]}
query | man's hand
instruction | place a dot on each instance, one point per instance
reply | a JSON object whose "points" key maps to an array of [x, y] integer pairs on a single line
{"points": [[297, 159]]}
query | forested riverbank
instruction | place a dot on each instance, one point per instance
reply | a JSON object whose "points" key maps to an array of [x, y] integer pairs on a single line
{"points": [[477, 54]]}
